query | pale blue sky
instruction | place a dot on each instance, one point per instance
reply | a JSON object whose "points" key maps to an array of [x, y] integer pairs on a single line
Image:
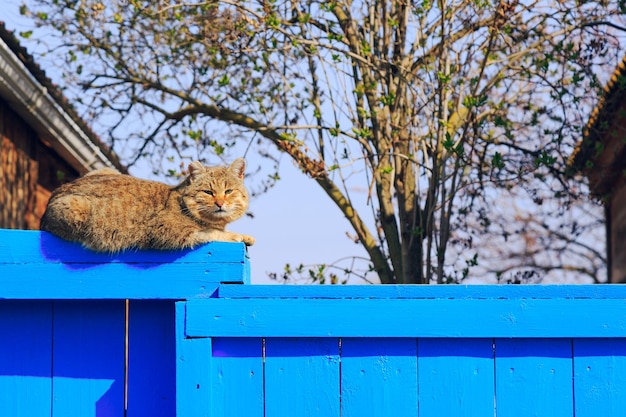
{"points": [[295, 222]]}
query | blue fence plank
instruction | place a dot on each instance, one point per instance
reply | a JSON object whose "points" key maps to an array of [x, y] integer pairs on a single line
{"points": [[38, 265], [35, 247], [534, 377], [193, 380], [25, 358], [378, 377], [58, 281], [151, 359], [88, 358], [237, 378], [302, 377], [456, 377], [472, 318], [597, 291], [600, 377]]}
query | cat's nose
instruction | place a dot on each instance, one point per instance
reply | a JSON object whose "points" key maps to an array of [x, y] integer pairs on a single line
{"points": [[219, 202]]}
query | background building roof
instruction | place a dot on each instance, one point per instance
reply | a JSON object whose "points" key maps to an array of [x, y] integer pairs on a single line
{"points": [[41, 103], [597, 155]]}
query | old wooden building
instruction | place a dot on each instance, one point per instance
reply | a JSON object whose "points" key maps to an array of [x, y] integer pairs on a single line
{"points": [[601, 156], [43, 142]]}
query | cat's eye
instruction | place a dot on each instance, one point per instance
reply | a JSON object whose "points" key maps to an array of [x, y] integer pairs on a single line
{"points": [[228, 191], [209, 192]]}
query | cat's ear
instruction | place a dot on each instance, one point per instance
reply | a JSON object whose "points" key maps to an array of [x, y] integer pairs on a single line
{"points": [[238, 167], [195, 169]]}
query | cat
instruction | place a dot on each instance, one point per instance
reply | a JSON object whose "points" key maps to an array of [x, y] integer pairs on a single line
{"points": [[110, 212]]}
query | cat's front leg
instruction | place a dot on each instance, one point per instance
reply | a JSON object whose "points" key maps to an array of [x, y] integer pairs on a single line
{"points": [[206, 236]]}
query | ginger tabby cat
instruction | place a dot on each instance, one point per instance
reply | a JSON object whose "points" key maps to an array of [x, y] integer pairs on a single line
{"points": [[110, 212]]}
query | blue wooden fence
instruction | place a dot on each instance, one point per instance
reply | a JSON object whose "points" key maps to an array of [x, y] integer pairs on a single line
{"points": [[174, 333]]}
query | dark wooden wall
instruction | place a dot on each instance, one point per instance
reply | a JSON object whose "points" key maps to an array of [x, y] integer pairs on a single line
{"points": [[29, 171], [616, 232]]}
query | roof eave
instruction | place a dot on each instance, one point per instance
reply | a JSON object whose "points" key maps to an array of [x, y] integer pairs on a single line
{"points": [[33, 102]]}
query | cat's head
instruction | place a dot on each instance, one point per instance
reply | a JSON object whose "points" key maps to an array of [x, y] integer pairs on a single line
{"points": [[216, 195]]}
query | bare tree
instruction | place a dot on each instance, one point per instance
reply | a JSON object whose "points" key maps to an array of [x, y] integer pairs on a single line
{"points": [[440, 112]]}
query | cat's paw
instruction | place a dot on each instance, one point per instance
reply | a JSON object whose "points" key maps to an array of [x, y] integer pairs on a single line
{"points": [[248, 240], [222, 236]]}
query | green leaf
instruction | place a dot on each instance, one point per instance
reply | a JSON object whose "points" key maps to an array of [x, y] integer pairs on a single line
{"points": [[497, 161], [544, 159], [388, 100], [224, 81], [448, 143], [444, 78]]}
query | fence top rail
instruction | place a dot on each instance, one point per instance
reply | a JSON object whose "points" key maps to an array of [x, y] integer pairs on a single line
{"points": [[407, 317], [39, 265], [595, 291]]}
